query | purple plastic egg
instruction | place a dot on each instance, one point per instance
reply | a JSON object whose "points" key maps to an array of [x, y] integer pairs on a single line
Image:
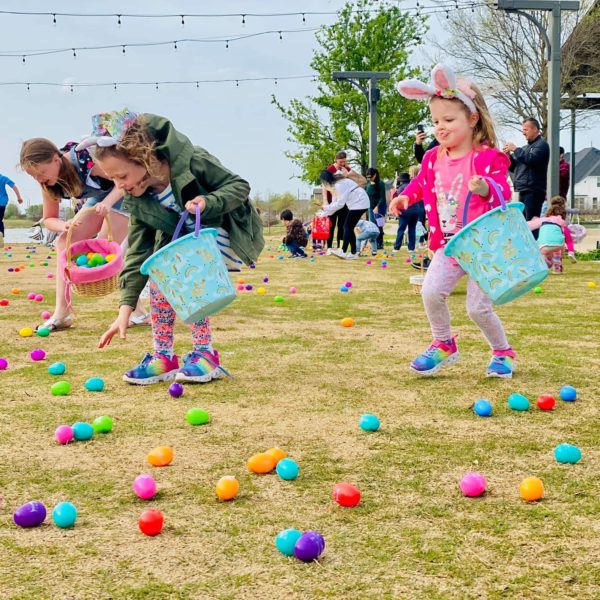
{"points": [[310, 546], [31, 514], [176, 390], [248, 286], [3, 364], [38, 354]]}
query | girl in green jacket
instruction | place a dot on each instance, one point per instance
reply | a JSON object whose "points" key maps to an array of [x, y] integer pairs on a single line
{"points": [[163, 175]]}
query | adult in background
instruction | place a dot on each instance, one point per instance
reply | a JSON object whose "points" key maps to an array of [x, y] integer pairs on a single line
{"points": [[564, 174], [339, 166], [419, 147], [378, 202], [408, 218], [529, 168], [5, 181]]}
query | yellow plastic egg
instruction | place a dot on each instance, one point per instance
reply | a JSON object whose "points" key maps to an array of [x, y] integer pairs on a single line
{"points": [[26, 332]]}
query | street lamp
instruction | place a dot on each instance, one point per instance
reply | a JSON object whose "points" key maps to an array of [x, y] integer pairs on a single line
{"points": [[372, 94], [553, 47]]}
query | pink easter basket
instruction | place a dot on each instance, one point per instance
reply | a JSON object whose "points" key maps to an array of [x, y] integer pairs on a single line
{"points": [[99, 281]]}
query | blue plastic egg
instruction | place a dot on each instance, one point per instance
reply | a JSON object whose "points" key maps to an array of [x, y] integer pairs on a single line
{"points": [[287, 469], [369, 423], [81, 260], [343, 289], [518, 402], [94, 384], [483, 408], [82, 431], [57, 368], [286, 540], [64, 514], [566, 453], [568, 393]]}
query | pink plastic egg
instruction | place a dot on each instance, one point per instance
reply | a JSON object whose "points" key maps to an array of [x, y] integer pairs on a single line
{"points": [[3, 364], [31, 296], [45, 315], [293, 290], [38, 354], [50, 275], [39, 298], [473, 484], [240, 288], [144, 487], [64, 434]]}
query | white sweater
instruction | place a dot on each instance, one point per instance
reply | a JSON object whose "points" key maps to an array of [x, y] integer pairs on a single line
{"points": [[349, 194]]}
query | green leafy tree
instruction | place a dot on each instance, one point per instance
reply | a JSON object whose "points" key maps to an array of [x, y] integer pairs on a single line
{"points": [[13, 212], [34, 212], [368, 35]]}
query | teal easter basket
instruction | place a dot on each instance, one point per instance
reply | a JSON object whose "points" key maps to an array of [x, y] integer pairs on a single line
{"points": [[498, 251], [191, 273]]}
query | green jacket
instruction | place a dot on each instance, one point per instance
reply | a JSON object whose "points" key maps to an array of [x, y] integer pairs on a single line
{"points": [[194, 172]]}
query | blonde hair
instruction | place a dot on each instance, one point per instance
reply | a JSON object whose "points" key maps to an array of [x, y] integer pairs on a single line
{"points": [[483, 132], [413, 171], [137, 146], [39, 151]]}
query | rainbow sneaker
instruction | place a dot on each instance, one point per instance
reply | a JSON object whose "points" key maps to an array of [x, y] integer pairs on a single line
{"points": [[438, 355], [200, 367], [153, 368], [502, 364]]}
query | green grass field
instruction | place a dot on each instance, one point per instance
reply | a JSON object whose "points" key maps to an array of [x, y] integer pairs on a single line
{"points": [[301, 383]]}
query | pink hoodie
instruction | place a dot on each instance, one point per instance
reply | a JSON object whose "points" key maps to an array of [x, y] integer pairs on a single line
{"points": [[537, 222], [488, 162]]}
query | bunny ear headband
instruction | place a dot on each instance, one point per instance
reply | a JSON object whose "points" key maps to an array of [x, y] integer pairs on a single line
{"points": [[108, 128], [443, 84]]}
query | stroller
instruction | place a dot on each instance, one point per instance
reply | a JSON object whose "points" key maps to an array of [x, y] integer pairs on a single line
{"points": [[320, 228]]}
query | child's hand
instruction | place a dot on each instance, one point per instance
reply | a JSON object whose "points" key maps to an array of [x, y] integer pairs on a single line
{"points": [[119, 326], [479, 186], [398, 204], [191, 205]]}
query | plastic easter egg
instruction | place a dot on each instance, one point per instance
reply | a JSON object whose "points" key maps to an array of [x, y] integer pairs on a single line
{"points": [[61, 388], [546, 402], [110, 257], [348, 284], [102, 424], [261, 290], [286, 540], [151, 522], [31, 514], [265, 280], [241, 280], [161, 456], [227, 488], [278, 298], [64, 515], [64, 434], [537, 290], [347, 322], [37, 354], [31, 296], [240, 288], [369, 423], [26, 332], [4, 302], [3, 364], [249, 287], [276, 453], [309, 547], [197, 416], [176, 390], [568, 454], [568, 393], [261, 463], [39, 298], [531, 489], [312, 259], [144, 486], [592, 285], [57, 368], [287, 469], [94, 384], [518, 402], [344, 289], [82, 431], [42, 331], [345, 494], [50, 275], [473, 484], [293, 290], [369, 262], [483, 408]]}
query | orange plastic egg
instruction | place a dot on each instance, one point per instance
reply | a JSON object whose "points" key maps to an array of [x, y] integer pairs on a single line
{"points": [[261, 463], [531, 489], [227, 487], [241, 280], [276, 453], [15, 291], [347, 322], [161, 456]]}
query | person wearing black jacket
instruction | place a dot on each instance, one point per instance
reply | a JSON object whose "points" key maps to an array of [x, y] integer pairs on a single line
{"points": [[419, 149], [529, 168]]}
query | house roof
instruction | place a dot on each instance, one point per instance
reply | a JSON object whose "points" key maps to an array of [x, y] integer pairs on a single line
{"points": [[587, 163]]}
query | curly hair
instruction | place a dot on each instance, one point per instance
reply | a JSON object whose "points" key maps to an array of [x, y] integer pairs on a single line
{"points": [[137, 146], [557, 207]]}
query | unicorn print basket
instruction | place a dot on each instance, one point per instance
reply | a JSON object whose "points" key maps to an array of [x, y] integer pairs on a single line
{"points": [[191, 273], [498, 251]]}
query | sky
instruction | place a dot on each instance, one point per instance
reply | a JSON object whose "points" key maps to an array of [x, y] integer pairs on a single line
{"points": [[238, 124]]}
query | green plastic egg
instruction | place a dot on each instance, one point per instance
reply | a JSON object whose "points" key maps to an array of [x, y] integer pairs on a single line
{"points": [[61, 388], [197, 416], [103, 424]]}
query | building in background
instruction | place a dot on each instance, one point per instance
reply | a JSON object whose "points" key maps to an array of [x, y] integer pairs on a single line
{"points": [[587, 179]]}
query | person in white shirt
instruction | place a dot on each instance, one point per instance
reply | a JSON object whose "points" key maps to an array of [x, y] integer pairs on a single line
{"points": [[345, 192]]}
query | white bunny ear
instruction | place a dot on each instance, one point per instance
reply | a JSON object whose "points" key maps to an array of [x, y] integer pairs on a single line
{"points": [[443, 77], [414, 90]]}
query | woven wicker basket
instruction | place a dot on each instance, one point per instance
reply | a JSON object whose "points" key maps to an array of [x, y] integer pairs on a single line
{"points": [[102, 287]]}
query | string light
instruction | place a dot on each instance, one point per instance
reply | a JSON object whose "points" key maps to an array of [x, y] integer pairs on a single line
{"points": [[119, 20], [54, 18], [183, 20]]}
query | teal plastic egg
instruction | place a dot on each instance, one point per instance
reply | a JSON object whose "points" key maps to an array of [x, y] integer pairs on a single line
{"points": [[57, 368], [94, 384], [287, 469], [82, 431], [286, 540], [369, 423], [64, 515], [518, 402], [81, 260], [567, 453]]}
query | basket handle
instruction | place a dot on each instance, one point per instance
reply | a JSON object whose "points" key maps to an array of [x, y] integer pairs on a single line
{"points": [[71, 228], [182, 219], [494, 187]]}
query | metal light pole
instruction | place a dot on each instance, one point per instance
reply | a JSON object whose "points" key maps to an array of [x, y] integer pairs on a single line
{"points": [[372, 94], [553, 46]]}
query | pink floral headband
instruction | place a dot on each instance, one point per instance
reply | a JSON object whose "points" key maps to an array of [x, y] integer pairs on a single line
{"points": [[443, 85]]}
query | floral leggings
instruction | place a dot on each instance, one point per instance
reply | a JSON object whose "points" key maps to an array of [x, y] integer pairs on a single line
{"points": [[163, 325]]}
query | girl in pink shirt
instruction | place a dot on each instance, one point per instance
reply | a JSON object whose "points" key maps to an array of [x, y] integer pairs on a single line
{"points": [[467, 154]]}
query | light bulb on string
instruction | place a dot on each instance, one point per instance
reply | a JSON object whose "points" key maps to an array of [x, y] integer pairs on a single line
{"points": [[197, 85], [182, 20], [237, 83], [27, 87], [226, 44], [280, 36], [115, 86], [74, 53], [303, 18], [157, 86], [23, 59], [175, 44], [71, 88], [123, 49], [54, 18], [243, 19], [119, 20]]}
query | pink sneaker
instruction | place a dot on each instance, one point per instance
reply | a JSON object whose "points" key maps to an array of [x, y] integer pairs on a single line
{"points": [[153, 368], [438, 355]]}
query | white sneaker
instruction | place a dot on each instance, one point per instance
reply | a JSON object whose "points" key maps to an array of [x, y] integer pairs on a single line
{"points": [[339, 253], [350, 256]]}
